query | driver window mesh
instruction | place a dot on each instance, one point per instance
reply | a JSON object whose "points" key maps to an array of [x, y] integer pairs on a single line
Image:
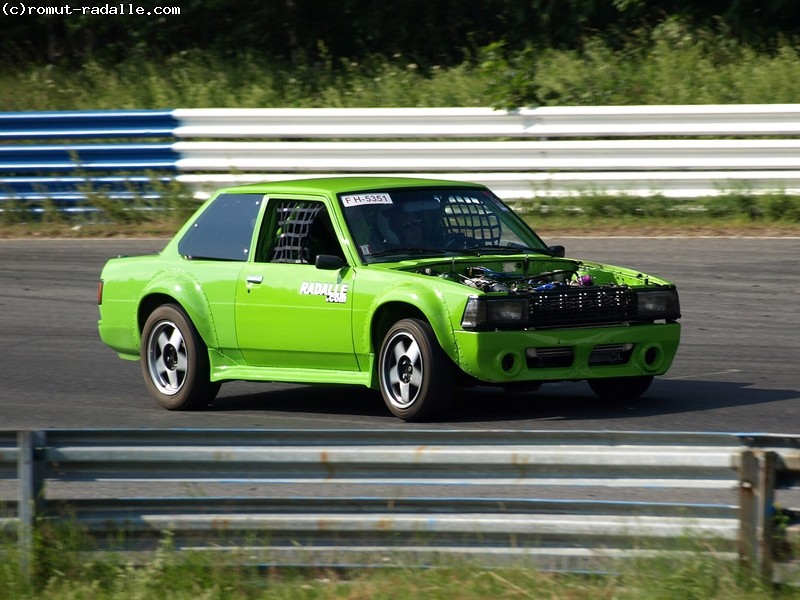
{"points": [[294, 221], [470, 217]]}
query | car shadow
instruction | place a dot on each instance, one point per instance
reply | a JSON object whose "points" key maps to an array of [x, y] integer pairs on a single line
{"points": [[574, 401], [566, 401], [309, 399]]}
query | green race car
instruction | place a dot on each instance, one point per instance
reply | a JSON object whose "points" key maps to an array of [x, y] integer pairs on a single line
{"points": [[410, 286]]}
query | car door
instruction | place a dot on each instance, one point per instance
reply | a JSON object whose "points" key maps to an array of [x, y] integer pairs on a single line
{"points": [[289, 313]]}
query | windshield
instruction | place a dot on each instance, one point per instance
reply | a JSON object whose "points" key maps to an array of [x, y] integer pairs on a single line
{"points": [[391, 225]]}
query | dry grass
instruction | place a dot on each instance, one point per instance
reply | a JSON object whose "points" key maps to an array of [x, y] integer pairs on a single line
{"points": [[547, 228]]}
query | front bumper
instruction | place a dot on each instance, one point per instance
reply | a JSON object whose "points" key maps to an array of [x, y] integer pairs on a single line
{"points": [[568, 354]]}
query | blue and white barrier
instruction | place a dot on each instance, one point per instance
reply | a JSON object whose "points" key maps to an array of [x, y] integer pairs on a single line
{"points": [[678, 151]]}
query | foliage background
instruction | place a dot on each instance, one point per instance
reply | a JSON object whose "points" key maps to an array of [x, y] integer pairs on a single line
{"points": [[445, 32], [503, 53]]}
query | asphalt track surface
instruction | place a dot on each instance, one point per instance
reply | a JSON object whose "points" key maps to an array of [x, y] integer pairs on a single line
{"points": [[736, 370]]}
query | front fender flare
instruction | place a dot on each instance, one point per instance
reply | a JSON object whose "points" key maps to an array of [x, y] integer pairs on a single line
{"points": [[430, 302]]}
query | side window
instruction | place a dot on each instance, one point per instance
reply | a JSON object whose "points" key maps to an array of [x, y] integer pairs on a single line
{"points": [[224, 230], [296, 231]]}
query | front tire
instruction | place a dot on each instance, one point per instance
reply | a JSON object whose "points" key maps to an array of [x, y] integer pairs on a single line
{"points": [[414, 372], [175, 361], [621, 388]]}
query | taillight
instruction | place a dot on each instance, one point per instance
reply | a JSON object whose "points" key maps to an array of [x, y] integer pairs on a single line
{"points": [[100, 292]]}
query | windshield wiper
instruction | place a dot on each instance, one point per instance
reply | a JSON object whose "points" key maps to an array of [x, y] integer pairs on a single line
{"points": [[409, 250], [479, 250]]}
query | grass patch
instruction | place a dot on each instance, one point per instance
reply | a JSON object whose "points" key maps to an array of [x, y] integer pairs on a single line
{"points": [[157, 208], [195, 576], [738, 214], [67, 566]]}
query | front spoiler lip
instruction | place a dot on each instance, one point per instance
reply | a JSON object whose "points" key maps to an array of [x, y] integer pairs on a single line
{"points": [[481, 354]]}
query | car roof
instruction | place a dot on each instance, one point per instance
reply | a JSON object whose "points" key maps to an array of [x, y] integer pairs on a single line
{"points": [[338, 185]]}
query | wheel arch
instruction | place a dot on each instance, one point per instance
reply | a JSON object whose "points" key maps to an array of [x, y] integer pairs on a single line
{"points": [[402, 304], [387, 315], [191, 300]]}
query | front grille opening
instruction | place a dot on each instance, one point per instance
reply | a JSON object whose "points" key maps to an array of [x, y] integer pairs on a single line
{"points": [[548, 358], [610, 354], [582, 306]]}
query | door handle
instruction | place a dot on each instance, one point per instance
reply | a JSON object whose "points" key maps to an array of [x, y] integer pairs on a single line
{"points": [[255, 279]]}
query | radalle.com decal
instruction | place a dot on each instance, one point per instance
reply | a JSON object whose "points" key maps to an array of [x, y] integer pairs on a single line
{"points": [[333, 292]]}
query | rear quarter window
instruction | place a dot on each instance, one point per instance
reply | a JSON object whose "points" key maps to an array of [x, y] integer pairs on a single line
{"points": [[224, 230]]}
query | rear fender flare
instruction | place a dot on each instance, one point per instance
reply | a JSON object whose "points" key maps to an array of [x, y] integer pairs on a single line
{"points": [[186, 292]]}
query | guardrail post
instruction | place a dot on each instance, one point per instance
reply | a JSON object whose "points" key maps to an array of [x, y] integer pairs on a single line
{"points": [[31, 484], [756, 503]]}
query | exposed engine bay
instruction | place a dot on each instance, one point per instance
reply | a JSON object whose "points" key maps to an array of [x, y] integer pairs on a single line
{"points": [[563, 293], [487, 280], [525, 277]]}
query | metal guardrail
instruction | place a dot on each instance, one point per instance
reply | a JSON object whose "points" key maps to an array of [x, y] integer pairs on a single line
{"points": [[723, 120], [352, 498], [522, 154], [92, 124], [466, 156]]}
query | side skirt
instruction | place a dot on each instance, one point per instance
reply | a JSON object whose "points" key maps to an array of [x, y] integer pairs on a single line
{"points": [[238, 372]]}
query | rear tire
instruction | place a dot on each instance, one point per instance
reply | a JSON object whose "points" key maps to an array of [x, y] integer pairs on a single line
{"points": [[621, 388], [175, 361], [414, 372]]}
